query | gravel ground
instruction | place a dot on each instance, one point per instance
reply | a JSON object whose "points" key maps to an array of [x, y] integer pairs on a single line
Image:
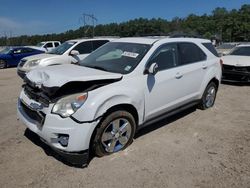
{"points": [[192, 149]]}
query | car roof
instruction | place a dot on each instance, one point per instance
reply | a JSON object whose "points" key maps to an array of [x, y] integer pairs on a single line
{"points": [[244, 45], [92, 39], [154, 39], [50, 41]]}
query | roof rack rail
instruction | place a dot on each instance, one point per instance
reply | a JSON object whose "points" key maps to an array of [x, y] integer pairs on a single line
{"points": [[153, 35], [184, 35]]}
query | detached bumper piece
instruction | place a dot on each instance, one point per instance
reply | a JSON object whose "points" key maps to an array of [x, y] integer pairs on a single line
{"points": [[235, 73], [79, 159]]}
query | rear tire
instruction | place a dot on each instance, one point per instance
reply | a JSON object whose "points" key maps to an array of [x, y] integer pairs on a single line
{"points": [[209, 96], [116, 132], [2, 64]]}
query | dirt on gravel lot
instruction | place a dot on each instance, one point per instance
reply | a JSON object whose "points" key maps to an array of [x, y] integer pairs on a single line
{"points": [[192, 149]]}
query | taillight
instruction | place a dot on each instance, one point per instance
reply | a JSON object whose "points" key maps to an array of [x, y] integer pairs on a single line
{"points": [[221, 63]]}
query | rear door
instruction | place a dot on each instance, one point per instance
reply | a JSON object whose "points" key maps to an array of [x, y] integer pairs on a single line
{"points": [[192, 66]]}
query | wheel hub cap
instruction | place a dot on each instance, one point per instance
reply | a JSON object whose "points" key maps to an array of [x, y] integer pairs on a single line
{"points": [[116, 135]]}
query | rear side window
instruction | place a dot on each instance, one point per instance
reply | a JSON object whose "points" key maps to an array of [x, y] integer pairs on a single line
{"points": [[190, 53], [211, 48], [84, 47], [56, 44], [98, 43], [26, 50]]}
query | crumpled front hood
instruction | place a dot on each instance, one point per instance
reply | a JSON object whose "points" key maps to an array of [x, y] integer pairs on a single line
{"points": [[236, 60], [59, 75]]}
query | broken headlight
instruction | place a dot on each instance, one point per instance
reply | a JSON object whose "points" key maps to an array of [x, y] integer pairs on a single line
{"points": [[67, 106]]}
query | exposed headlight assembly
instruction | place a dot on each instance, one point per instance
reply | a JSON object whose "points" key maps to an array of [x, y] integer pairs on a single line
{"points": [[32, 63], [67, 106]]}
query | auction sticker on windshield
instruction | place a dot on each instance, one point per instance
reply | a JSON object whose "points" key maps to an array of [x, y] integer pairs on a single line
{"points": [[130, 54]]}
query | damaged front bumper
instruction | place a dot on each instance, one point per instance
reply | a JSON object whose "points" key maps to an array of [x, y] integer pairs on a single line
{"points": [[51, 128], [235, 76], [233, 73]]}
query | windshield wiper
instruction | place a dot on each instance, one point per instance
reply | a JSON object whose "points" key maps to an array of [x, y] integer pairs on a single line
{"points": [[96, 67]]}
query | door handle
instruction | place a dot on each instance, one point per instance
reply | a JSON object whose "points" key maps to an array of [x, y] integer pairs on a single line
{"points": [[204, 66], [178, 75]]}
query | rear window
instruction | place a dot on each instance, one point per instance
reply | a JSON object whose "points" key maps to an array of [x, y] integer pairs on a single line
{"points": [[211, 48]]}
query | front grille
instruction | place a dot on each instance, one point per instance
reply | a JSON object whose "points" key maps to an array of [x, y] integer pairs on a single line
{"points": [[22, 62], [36, 94], [34, 115], [236, 68]]}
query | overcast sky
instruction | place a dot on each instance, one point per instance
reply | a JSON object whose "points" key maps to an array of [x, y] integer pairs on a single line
{"points": [[18, 17]]}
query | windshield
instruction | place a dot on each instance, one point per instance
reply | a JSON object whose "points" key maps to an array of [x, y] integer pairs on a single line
{"points": [[6, 50], [59, 50], [117, 57], [40, 44], [226, 46], [242, 51]]}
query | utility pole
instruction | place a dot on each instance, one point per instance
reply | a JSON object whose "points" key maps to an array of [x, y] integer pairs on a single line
{"points": [[87, 20]]}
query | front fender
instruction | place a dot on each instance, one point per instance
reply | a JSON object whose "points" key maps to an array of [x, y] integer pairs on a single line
{"points": [[101, 100]]}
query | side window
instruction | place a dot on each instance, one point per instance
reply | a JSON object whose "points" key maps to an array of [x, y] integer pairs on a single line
{"points": [[98, 43], [211, 48], [26, 50], [56, 44], [84, 47], [165, 57], [190, 53], [17, 51], [48, 45]]}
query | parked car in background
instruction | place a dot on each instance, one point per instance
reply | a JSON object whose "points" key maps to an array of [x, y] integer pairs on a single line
{"points": [[71, 51], [46, 45], [236, 65], [11, 56], [119, 88], [225, 48]]}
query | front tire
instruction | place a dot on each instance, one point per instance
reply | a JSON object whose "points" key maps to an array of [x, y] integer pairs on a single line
{"points": [[115, 133], [209, 96], [2, 64]]}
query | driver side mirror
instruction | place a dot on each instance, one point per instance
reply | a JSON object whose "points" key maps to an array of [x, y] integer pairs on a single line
{"points": [[152, 69], [74, 53]]}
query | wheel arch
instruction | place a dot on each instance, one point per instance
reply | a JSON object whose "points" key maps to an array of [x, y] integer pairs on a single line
{"points": [[215, 80], [124, 106]]}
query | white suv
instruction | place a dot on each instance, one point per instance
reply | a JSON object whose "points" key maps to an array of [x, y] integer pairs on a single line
{"points": [[71, 51], [118, 89]]}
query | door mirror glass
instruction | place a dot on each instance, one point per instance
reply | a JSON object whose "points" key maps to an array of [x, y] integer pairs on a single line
{"points": [[74, 53]]}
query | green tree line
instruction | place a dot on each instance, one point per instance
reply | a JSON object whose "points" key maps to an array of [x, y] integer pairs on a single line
{"points": [[227, 25]]}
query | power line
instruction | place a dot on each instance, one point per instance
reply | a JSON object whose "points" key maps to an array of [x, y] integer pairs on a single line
{"points": [[88, 20]]}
